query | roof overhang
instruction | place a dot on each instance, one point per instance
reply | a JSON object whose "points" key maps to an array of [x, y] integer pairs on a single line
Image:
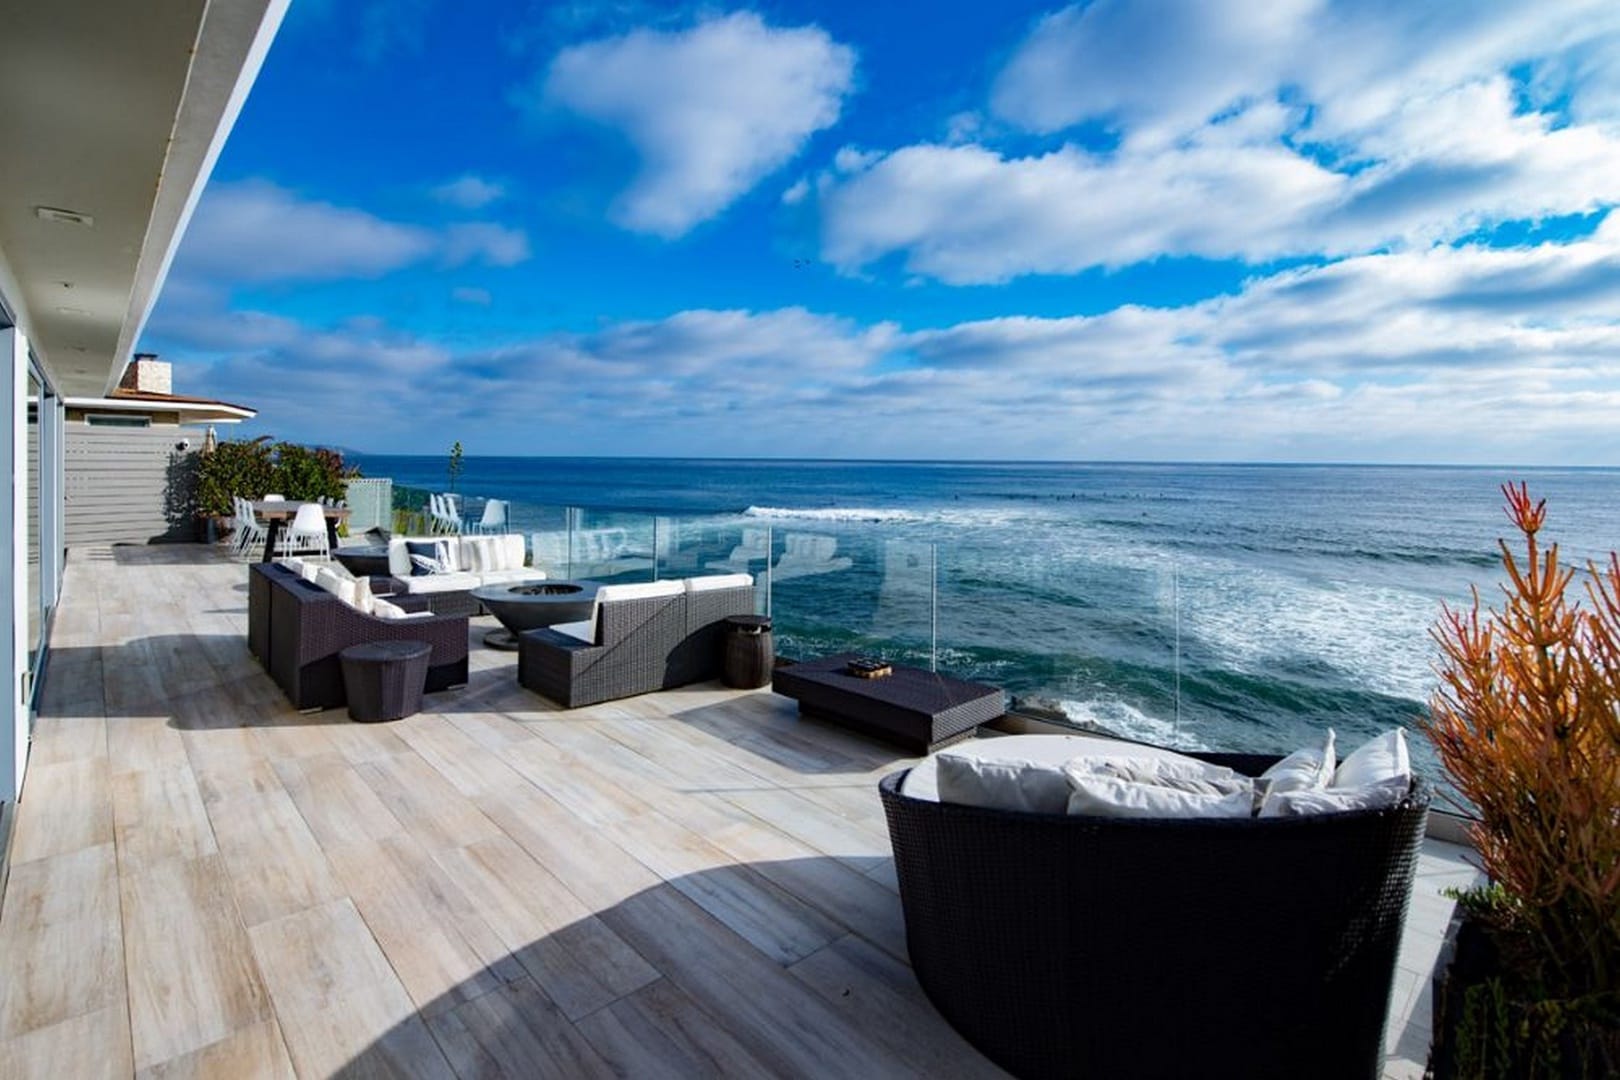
{"points": [[195, 412], [115, 111]]}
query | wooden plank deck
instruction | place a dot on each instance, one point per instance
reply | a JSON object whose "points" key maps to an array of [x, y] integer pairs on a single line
{"points": [[206, 883]]}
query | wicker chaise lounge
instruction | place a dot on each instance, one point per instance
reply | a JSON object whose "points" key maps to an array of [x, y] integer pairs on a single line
{"points": [[1107, 947], [642, 638]]}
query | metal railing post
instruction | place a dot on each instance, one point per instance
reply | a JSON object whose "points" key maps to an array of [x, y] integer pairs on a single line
{"points": [[933, 607]]}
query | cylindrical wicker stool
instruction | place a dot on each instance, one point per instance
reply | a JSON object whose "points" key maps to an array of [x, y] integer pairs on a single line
{"points": [[750, 652], [383, 679]]}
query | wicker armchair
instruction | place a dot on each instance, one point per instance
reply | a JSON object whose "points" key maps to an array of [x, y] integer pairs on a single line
{"points": [[1081, 946], [641, 645], [308, 627]]}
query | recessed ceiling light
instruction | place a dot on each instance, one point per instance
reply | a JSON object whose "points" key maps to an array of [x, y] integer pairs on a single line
{"points": [[71, 311], [65, 217]]}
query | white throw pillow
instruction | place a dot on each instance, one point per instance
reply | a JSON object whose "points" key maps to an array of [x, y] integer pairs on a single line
{"points": [[387, 609], [1096, 794], [1330, 800], [1307, 769], [332, 582], [363, 600], [1382, 760], [1031, 786], [296, 565]]}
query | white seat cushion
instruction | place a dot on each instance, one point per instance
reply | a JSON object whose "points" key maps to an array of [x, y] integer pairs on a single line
{"points": [[387, 609], [1053, 750], [641, 590], [501, 577], [459, 581], [719, 581], [584, 630]]}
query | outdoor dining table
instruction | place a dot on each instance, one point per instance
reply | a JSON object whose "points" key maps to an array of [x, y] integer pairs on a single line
{"points": [[276, 515]]}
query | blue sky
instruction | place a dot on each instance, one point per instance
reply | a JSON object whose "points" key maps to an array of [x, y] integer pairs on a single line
{"points": [[1184, 229]]}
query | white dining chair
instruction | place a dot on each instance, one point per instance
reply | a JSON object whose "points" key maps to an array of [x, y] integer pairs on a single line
{"points": [[305, 534], [494, 517], [250, 534]]}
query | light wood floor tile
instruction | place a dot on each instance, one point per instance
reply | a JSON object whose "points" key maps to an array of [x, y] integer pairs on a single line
{"points": [[92, 1046], [192, 977], [61, 943], [158, 814], [276, 866], [251, 1053], [70, 808], [338, 1001]]}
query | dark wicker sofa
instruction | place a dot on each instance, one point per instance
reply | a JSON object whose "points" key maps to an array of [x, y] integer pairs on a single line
{"points": [[297, 630], [641, 645], [1084, 946]]}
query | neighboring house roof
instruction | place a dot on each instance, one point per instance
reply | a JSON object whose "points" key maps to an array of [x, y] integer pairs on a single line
{"points": [[191, 408]]}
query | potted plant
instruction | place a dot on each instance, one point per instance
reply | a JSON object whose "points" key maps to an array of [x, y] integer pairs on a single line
{"points": [[1526, 723]]}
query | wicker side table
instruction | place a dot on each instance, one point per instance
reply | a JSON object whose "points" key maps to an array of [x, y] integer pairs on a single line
{"points": [[383, 680], [750, 652]]}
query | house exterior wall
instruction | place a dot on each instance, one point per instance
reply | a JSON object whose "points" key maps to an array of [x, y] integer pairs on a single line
{"points": [[129, 485]]}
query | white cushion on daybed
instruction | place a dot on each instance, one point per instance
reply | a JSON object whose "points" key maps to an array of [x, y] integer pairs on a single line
{"points": [[1306, 769], [1051, 751], [1376, 775], [1002, 784], [1115, 787]]}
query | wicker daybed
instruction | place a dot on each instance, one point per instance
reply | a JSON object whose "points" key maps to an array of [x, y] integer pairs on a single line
{"points": [[1084, 946]]}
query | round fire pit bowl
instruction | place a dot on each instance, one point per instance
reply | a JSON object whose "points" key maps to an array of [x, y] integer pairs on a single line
{"points": [[529, 605]]}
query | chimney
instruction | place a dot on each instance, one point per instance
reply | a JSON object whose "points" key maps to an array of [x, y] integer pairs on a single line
{"points": [[147, 374]]}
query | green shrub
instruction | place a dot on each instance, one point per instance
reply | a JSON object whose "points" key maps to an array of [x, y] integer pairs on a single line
{"points": [[249, 468]]}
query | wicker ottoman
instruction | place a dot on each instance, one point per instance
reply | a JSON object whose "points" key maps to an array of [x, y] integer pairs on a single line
{"points": [[917, 710], [750, 652], [383, 680]]}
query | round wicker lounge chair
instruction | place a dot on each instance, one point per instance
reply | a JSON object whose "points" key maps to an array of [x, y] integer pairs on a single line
{"points": [[1080, 946]]}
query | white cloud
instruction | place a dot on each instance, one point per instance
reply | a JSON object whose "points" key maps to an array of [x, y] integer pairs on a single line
{"points": [[469, 192], [1250, 131], [1452, 354], [711, 110], [254, 232], [483, 241]]}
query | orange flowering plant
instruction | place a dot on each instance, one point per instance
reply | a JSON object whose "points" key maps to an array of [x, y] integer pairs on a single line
{"points": [[1526, 723]]}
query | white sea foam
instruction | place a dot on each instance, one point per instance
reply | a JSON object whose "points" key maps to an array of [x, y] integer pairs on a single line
{"points": [[1116, 716], [833, 513]]}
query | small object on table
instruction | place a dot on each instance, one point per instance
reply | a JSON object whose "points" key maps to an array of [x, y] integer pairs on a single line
{"points": [[869, 667], [383, 680], [919, 710], [750, 652]]}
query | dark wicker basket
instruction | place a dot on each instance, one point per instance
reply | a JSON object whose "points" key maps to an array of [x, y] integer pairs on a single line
{"points": [[1082, 946]]}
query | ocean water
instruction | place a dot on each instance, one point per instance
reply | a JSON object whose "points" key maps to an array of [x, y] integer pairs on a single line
{"points": [[1243, 607]]}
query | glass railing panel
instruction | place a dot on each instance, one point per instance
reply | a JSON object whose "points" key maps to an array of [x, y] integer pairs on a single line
{"points": [[848, 586], [1078, 634], [546, 529], [612, 546]]}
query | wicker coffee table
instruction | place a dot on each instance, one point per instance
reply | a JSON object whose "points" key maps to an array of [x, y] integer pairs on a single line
{"points": [[918, 710]]}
